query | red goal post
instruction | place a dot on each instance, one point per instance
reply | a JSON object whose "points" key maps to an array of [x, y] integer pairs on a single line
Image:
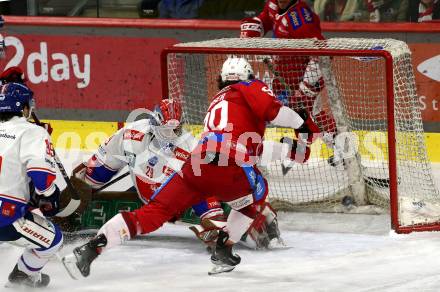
{"points": [[366, 89]]}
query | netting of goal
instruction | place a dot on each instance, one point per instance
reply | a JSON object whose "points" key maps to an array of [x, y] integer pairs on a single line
{"points": [[362, 94]]}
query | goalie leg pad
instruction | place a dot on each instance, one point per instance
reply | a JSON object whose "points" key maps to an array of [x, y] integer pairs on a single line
{"points": [[237, 225], [264, 228]]}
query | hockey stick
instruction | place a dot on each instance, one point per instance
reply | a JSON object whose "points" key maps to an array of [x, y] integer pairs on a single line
{"points": [[371, 181], [284, 169], [110, 183], [75, 201]]}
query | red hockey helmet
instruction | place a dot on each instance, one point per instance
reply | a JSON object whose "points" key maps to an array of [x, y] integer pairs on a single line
{"points": [[169, 111], [13, 74]]}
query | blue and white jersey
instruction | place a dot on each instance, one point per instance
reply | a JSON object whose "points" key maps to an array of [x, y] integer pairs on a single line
{"points": [[26, 155]]}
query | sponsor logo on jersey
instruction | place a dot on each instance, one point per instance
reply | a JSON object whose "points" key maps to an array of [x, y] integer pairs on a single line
{"points": [[167, 171], [295, 20], [181, 154], [307, 14], [50, 162], [131, 158], [101, 150], [153, 161], [241, 202], [7, 136], [133, 135], [8, 209], [35, 234]]}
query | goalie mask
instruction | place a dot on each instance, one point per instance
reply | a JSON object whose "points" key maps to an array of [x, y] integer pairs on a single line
{"points": [[236, 69], [168, 114]]}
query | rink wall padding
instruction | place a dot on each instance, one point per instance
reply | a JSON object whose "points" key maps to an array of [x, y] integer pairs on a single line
{"points": [[91, 69], [87, 135]]}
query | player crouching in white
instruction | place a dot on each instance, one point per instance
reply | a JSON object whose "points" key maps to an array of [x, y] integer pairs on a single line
{"points": [[26, 156]]}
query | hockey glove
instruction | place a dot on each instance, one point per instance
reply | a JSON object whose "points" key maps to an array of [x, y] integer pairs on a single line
{"points": [[309, 131], [251, 28], [49, 205]]}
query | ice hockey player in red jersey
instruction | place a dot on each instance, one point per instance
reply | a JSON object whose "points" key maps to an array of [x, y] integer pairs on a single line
{"points": [[152, 152], [299, 81], [222, 164]]}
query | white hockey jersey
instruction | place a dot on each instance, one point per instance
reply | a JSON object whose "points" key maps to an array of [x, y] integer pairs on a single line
{"points": [[26, 155], [150, 160]]}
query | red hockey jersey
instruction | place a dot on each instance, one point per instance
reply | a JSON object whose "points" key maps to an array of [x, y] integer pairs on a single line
{"points": [[298, 22], [236, 119]]}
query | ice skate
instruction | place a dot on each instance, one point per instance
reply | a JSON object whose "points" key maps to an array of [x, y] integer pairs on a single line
{"points": [[83, 256], [18, 278], [223, 257]]}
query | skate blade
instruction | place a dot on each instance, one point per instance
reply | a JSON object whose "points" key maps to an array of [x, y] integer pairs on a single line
{"points": [[277, 243], [12, 285], [19, 286], [69, 263], [218, 269]]}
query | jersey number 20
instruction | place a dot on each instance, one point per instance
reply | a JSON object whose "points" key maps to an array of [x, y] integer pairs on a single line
{"points": [[217, 117]]}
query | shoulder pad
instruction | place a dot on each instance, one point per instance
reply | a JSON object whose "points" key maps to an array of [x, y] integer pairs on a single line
{"points": [[36, 131]]}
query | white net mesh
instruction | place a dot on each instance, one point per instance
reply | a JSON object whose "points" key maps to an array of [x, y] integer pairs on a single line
{"points": [[343, 82]]}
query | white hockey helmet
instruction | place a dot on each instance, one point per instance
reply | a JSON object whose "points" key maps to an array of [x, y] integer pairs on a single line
{"points": [[236, 69]]}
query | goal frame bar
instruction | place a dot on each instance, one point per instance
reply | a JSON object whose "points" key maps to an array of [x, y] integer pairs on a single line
{"points": [[386, 55]]}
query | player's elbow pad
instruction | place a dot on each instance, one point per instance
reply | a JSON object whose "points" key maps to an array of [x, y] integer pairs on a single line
{"points": [[288, 118]]}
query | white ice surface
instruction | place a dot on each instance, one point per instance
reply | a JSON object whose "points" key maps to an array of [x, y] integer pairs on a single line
{"points": [[327, 252]]}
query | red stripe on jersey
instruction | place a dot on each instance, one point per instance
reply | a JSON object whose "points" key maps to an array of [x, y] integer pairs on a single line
{"points": [[13, 198], [50, 180], [146, 188], [41, 169]]}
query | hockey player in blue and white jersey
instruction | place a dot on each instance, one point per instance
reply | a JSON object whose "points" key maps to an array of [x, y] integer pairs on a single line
{"points": [[26, 163]]}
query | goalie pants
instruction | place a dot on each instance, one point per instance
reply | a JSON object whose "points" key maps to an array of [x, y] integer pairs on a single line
{"points": [[228, 183], [40, 237]]}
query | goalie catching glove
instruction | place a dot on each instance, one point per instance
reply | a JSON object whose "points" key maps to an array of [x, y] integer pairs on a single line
{"points": [[251, 28]]}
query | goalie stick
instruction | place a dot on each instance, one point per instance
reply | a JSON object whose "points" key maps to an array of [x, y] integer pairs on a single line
{"points": [[371, 181], [285, 169], [104, 186], [75, 201]]}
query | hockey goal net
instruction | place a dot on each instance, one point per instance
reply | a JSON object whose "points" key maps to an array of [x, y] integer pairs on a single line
{"points": [[362, 93]]}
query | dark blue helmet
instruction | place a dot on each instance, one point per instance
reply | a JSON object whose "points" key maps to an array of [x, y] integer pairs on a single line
{"points": [[14, 96]]}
